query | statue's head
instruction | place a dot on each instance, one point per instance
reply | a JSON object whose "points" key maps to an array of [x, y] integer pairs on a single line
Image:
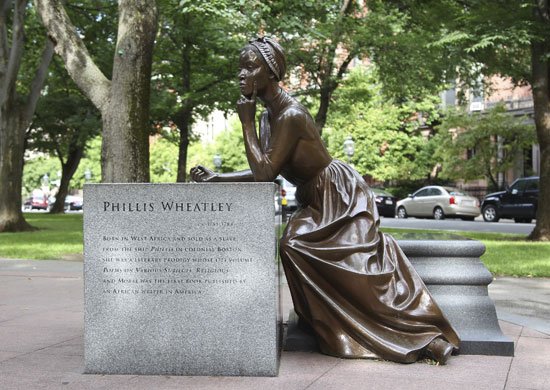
{"points": [[272, 53], [261, 61]]}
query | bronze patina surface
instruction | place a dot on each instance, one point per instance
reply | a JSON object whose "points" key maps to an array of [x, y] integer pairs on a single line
{"points": [[350, 283]]}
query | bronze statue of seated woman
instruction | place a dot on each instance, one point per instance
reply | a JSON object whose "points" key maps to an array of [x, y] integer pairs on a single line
{"points": [[349, 282]]}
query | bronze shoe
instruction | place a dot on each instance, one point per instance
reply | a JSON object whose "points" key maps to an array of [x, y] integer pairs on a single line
{"points": [[439, 350]]}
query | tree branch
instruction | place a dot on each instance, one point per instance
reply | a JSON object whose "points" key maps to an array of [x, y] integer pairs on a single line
{"points": [[70, 47], [208, 85], [59, 154], [16, 51], [3, 45], [37, 83], [344, 66]]}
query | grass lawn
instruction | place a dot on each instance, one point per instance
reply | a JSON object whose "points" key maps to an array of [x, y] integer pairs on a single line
{"points": [[506, 254], [60, 237]]}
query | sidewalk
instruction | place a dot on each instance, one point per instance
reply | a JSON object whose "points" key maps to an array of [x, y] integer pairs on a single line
{"points": [[41, 346]]}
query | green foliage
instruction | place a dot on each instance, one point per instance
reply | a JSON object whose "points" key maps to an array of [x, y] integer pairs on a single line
{"points": [[311, 31], [388, 142], [35, 169], [92, 162], [228, 144], [164, 161], [96, 22], [469, 39], [64, 119], [485, 136], [196, 58]]}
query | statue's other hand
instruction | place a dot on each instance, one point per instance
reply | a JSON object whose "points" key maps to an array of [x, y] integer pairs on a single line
{"points": [[202, 174]]}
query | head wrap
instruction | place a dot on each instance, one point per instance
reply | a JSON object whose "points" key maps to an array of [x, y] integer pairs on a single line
{"points": [[273, 55]]}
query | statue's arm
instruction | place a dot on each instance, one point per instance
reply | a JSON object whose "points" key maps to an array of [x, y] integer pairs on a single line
{"points": [[266, 165], [237, 176], [203, 174]]}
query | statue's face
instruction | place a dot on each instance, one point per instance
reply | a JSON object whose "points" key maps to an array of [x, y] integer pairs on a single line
{"points": [[252, 70]]}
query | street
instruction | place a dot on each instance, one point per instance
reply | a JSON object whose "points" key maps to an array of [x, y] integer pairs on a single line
{"points": [[503, 226]]}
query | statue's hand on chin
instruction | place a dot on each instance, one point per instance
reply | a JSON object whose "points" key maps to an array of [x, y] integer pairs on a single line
{"points": [[246, 107]]}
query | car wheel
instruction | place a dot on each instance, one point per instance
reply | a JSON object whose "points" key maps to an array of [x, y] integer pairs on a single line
{"points": [[490, 213], [401, 212], [438, 213]]}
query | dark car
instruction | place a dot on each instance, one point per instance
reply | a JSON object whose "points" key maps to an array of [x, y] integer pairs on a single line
{"points": [[73, 202], [385, 202], [519, 201]]}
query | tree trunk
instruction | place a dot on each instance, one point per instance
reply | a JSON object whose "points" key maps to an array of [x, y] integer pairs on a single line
{"points": [[125, 148], [12, 136], [15, 115], [12, 139], [124, 101], [183, 120], [329, 81], [67, 172], [541, 100], [324, 103]]}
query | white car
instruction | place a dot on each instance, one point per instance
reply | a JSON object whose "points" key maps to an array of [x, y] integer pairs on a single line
{"points": [[439, 202]]}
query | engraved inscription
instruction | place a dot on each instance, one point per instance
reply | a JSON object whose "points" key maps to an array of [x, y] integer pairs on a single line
{"points": [[150, 265]]}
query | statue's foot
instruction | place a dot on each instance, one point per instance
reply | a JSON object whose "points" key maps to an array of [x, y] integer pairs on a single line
{"points": [[439, 350]]}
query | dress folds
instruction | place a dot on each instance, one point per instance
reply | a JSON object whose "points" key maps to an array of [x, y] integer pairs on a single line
{"points": [[351, 283]]}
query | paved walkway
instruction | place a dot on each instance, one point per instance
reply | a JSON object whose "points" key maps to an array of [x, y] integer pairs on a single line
{"points": [[41, 346]]}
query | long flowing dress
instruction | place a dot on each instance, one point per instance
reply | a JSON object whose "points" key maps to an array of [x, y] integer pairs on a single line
{"points": [[352, 283]]}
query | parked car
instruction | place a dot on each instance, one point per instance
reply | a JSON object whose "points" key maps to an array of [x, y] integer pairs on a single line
{"points": [[519, 201], [73, 202], [286, 196], [385, 202], [36, 202], [439, 202]]}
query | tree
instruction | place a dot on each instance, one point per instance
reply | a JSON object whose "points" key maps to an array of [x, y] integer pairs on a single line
{"points": [[65, 122], [164, 161], [229, 145], [322, 39], [481, 145], [472, 38], [388, 142], [34, 170], [196, 59], [124, 99], [18, 98]]}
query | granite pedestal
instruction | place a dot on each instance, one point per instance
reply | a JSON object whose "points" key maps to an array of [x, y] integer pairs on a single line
{"points": [[181, 279], [458, 281]]}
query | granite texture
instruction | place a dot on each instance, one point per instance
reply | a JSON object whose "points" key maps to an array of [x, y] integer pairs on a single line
{"points": [[458, 280], [181, 279]]}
